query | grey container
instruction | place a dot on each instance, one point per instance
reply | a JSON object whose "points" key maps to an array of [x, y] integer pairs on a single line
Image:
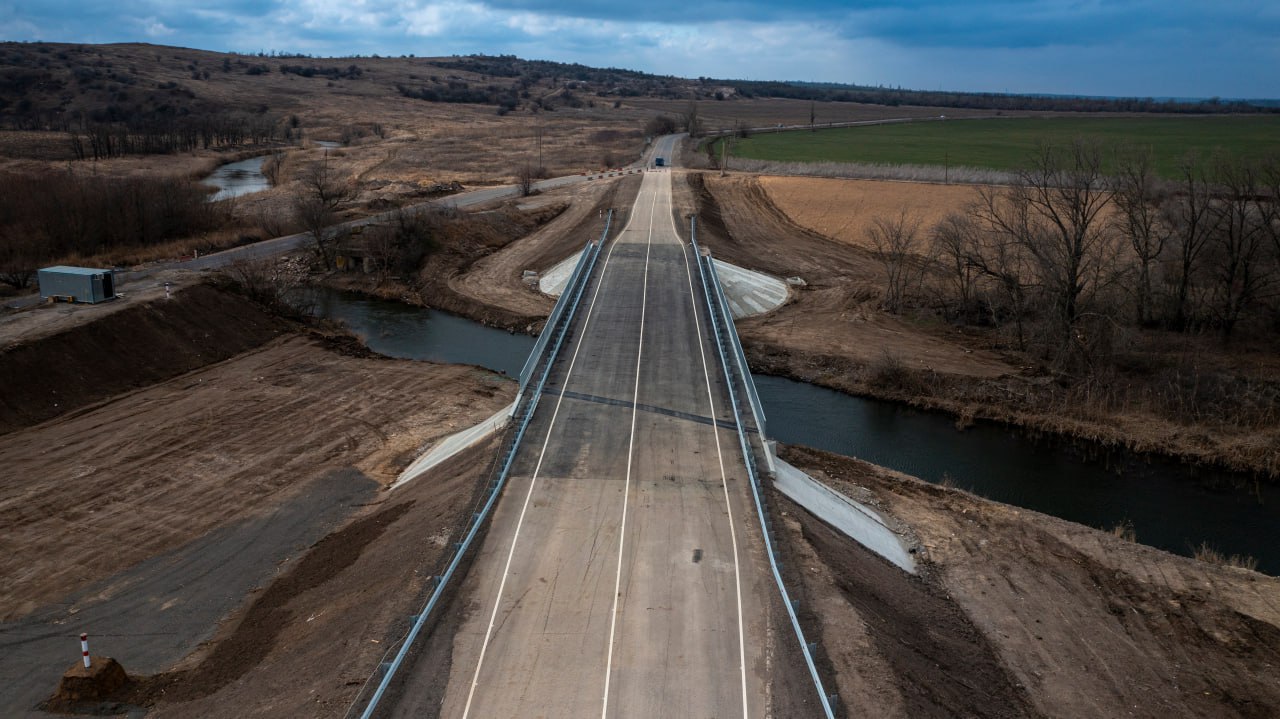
{"points": [[77, 284]]}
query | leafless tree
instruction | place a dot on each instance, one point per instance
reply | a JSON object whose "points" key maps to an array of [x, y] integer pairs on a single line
{"points": [[1236, 243], [1055, 212], [1138, 194], [325, 183], [19, 256], [692, 123], [524, 179], [323, 190], [1003, 260], [1187, 213], [898, 245], [317, 220], [954, 240]]}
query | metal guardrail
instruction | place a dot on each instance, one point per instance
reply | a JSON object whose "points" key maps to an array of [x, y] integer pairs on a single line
{"points": [[722, 326], [558, 326], [757, 410], [558, 311]]}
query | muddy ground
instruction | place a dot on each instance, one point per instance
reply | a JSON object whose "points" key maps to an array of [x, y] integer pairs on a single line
{"points": [[1017, 613], [145, 517]]}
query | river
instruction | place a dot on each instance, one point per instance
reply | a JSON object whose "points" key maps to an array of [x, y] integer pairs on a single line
{"points": [[245, 177], [1170, 505]]}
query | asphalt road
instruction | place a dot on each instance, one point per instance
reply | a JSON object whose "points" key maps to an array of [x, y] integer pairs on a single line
{"points": [[624, 574]]}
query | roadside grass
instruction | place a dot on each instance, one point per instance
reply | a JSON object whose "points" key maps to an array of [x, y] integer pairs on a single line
{"points": [[1006, 144]]}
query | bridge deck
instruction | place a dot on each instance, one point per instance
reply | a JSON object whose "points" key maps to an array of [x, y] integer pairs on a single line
{"points": [[623, 574]]}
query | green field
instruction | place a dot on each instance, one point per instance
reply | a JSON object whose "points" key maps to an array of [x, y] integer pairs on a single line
{"points": [[1007, 144]]}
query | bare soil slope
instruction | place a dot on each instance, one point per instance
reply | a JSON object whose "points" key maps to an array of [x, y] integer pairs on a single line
{"points": [[496, 279], [305, 645], [87, 495], [844, 210], [126, 349], [836, 312], [1087, 623]]}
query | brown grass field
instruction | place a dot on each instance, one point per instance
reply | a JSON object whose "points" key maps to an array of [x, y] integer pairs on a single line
{"points": [[844, 210]]}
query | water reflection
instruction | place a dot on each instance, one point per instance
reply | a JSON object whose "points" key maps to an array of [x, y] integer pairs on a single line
{"points": [[238, 178]]}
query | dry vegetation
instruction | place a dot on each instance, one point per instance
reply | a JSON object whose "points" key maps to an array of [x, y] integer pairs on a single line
{"points": [[1156, 386]]}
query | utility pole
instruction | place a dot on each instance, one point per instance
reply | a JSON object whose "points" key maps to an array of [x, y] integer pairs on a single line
{"points": [[538, 132], [946, 164]]}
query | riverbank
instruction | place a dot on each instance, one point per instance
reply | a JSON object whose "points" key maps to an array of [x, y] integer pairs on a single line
{"points": [[1020, 614], [1186, 400]]}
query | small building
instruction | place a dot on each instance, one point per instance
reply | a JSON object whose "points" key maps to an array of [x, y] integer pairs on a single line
{"points": [[77, 284]]}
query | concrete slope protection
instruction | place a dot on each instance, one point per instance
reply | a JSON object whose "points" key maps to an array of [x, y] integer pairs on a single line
{"points": [[624, 572]]}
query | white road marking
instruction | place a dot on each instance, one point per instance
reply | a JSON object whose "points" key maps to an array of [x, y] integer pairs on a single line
{"points": [[724, 482], [506, 571], [626, 492]]}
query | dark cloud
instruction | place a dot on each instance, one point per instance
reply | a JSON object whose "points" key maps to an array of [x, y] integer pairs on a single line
{"points": [[1172, 47]]}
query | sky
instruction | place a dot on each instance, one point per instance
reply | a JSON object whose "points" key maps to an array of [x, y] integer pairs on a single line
{"points": [[1131, 48]]}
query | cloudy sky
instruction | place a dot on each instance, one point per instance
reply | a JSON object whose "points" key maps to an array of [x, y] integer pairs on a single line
{"points": [[1162, 48]]}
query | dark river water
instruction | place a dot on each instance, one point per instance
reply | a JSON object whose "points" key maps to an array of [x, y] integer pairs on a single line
{"points": [[1169, 505]]}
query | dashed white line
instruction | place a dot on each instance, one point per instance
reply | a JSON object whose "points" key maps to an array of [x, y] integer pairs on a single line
{"points": [[724, 482], [635, 409], [506, 571]]}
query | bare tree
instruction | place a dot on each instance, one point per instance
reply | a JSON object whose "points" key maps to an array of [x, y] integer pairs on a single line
{"points": [[19, 256], [317, 219], [692, 124], [898, 244], [323, 190], [1137, 197], [323, 182], [524, 179], [1236, 244], [1055, 211], [1187, 212], [954, 241], [1003, 259]]}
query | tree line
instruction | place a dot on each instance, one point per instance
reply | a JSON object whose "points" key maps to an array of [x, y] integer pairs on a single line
{"points": [[101, 137], [47, 216], [1067, 257]]}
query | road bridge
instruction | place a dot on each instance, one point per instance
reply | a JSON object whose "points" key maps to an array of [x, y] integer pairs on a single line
{"points": [[625, 572]]}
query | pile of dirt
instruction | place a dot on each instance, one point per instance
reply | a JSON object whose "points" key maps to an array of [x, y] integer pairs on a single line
{"points": [[103, 677], [309, 642], [1080, 622], [126, 350]]}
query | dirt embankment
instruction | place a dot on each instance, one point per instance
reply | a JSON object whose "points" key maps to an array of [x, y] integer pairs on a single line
{"points": [[1017, 604], [833, 333], [476, 272], [306, 645], [159, 466], [124, 350], [836, 312]]}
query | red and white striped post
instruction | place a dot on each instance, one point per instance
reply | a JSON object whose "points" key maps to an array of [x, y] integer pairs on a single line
{"points": [[84, 649]]}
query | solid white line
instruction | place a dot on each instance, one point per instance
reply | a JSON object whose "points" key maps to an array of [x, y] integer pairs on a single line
{"points": [[635, 410], [506, 571], [724, 482]]}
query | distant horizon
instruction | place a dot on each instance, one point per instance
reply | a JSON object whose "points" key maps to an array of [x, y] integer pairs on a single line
{"points": [[1125, 49]]}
